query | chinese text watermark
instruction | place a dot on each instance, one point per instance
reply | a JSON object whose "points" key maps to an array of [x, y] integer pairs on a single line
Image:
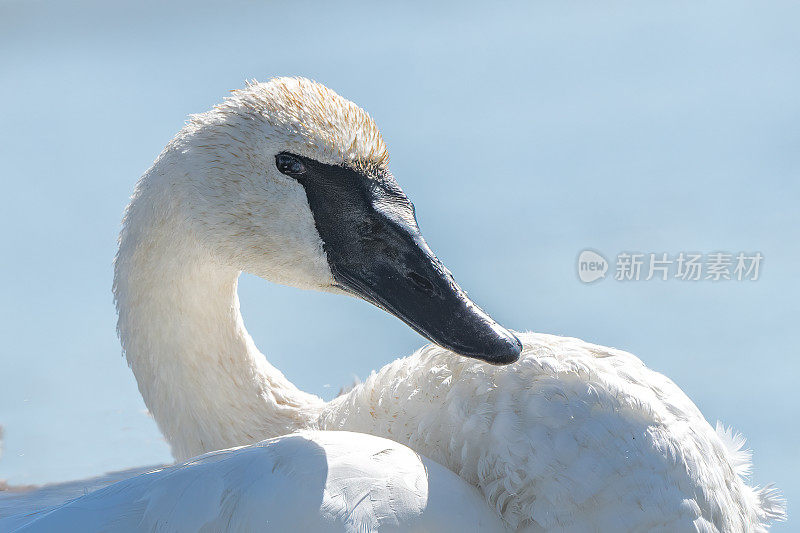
{"points": [[682, 266]]}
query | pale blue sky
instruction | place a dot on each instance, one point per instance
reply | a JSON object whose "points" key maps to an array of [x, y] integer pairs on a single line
{"points": [[524, 133]]}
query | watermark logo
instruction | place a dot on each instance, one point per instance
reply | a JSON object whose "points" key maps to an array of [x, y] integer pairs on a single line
{"points": [[591, 266], [682, 266]]}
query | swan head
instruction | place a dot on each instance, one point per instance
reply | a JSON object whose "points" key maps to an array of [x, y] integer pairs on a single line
{"points": [[289, 181]]}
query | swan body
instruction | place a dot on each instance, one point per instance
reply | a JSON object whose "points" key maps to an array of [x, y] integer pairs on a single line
{"points": [[289, 181], [572, 437], [311, 481]]}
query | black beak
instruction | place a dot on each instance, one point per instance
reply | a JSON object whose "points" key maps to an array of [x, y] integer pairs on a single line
{"points": [[413, 285], [375, 251]]}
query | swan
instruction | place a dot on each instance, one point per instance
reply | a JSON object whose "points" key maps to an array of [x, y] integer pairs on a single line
{"points": [[320, 481], [289, 181]]}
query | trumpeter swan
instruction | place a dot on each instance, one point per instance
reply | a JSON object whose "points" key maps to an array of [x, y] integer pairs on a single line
{"points": [[326, 481], [289, 181]]}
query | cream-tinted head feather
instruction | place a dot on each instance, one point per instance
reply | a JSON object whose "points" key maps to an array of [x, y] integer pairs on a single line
{"points": [[307, 112]]}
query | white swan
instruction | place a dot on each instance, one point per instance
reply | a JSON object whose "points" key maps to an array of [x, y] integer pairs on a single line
{"points": [[327, 481], [289, 181]]}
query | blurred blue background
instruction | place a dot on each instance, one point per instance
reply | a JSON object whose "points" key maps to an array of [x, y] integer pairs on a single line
{"points": [[524, 133]]}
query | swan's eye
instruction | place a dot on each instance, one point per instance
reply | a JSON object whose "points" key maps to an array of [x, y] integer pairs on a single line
{"points": [[289, 165]]}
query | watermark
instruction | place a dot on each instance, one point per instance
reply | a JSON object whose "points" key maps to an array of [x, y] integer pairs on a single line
{"points": [[663, 266], [591, 266]]}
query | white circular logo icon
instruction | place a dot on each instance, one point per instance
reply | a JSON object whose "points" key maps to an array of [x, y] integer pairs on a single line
{"points": [[591, 266]]}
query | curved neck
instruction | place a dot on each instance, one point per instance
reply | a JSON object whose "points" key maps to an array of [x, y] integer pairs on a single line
{"points": [[198, 370]]}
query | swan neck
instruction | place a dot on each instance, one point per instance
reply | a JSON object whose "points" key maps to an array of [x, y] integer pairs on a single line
{"points": [[198, 370]]}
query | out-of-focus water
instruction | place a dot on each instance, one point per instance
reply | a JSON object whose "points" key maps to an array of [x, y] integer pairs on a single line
{"points": [[524, 133]]}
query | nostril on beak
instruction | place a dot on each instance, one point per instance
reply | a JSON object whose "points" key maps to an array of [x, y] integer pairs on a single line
{"points": [[421, 283]]}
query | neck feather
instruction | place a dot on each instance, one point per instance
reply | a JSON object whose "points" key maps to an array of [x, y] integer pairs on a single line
{"points": [[198, 370]]}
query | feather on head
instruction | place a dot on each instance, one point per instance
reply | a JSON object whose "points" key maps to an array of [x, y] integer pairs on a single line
{"points": [[339, 131]]}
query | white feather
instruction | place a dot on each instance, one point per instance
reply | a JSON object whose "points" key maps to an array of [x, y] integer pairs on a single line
{"points": [[312, 481]]}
